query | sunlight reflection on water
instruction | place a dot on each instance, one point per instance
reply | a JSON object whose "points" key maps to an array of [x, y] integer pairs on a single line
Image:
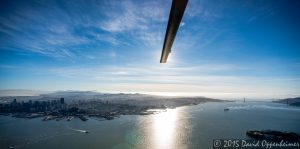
{"points": [[164, 128]]}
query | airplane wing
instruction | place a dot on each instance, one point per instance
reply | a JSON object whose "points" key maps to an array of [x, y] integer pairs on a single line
{"points": [[176, 13]]}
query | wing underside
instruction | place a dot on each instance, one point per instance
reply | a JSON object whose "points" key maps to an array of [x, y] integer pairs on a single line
{"points": [[176, 14]]}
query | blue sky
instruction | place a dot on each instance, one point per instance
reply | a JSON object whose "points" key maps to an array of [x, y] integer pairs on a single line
{"points": [[224, 48]]}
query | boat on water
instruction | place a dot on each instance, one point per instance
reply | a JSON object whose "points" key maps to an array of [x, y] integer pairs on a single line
{"points": [[273, 135], [226, 109], [85, 131]]}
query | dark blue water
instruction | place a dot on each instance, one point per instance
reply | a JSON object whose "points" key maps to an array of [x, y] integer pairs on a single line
{"points": [[184, 127]]}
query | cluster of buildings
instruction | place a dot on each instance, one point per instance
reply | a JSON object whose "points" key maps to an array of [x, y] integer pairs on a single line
{"points": [[30, 106], [57, 109]]}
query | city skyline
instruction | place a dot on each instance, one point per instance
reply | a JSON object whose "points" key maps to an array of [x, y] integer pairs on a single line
{"points": [[234, 49]]}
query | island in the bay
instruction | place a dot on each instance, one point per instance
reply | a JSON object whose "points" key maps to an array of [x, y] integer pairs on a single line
{"points": [[82, 105]]}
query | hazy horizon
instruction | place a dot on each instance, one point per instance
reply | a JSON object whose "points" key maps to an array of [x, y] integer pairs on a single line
{"points": [[224, 96]]}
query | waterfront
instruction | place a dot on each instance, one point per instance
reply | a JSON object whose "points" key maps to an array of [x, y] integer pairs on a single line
{"points": [[183, 127], [53, 108]]}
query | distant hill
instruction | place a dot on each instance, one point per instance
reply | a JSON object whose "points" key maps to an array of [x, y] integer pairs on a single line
{"points": [[21, 92], [290, 101], [119, 98]]}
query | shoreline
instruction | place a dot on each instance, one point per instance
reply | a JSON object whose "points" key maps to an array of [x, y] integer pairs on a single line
{"points": [[107, 115]]}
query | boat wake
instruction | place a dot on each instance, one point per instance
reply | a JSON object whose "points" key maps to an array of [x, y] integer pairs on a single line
{"points": [[78, 130]]}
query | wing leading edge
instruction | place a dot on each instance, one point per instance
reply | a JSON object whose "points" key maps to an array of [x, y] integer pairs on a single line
{"points": [[175, 17]]}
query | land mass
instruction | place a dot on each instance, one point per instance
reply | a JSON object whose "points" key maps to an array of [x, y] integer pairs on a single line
{"points": [[77, 104], [290, 101]]}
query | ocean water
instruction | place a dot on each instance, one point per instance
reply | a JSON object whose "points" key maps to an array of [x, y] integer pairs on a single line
{"points": [[184, 127]]}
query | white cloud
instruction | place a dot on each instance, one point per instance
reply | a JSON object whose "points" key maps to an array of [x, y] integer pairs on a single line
{"points": [[204, 79], [133, 15], [122, 19]]}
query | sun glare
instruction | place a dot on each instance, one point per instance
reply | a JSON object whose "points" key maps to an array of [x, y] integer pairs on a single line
{"points": [[164, 128]]}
